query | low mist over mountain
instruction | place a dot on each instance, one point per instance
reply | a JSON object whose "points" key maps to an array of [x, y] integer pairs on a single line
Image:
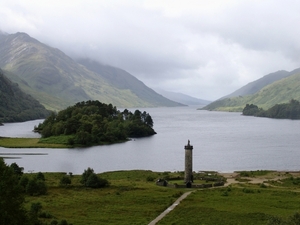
{"points": [[275, 88], [57, 81], [15, 105], [182, 98]]}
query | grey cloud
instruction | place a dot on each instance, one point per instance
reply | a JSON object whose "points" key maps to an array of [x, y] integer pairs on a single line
{"points": [[203, 48]]}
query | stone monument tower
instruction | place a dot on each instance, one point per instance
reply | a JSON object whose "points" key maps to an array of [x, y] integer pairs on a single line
{"points": [[188, 172]]}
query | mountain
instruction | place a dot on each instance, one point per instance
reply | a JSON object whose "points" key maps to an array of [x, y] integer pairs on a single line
{"points": [[280, 91], [257, 85], [125, 81], [57, 81], [15, 105], [182, 98]]}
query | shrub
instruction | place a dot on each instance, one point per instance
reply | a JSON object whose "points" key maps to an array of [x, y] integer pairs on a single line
{"points": [[40, 176], [63, 222], [36, 207], [247, 190], [36, 187], [150, 178], [65, 181], [45, 215], [262, 185], [54, 222], [95, 182], [225, 193]]}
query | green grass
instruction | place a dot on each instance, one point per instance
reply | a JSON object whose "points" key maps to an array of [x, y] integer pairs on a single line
{"points": [[28, 143], [132, 199], [234, 206], [254, 173], [290, 182], [62, 139]]}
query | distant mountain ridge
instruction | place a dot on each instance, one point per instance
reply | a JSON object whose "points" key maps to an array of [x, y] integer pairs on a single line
{"points": [[257, 85], [15, 105], [183, 98], [285, 86], [58, 81]]}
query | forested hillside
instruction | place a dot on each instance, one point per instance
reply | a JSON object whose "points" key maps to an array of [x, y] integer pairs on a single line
{"points": [[289, 110], [15, 105]]}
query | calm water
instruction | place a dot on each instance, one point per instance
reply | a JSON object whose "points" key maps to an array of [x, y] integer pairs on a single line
{"points": [[222, 142]]}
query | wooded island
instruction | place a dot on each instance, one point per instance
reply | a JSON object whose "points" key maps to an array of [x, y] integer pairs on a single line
{"points": [[92, 122]]}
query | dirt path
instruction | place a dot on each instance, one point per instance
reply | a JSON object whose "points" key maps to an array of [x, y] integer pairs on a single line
{"points": [[169, 209]]}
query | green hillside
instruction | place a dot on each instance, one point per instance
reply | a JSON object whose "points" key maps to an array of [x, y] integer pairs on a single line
{"points": [[15, 105], [281, 91], [50, 102], [257, 85], [125, 81], [57, 81]]}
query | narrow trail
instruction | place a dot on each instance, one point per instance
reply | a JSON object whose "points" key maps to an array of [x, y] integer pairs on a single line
{"points": [[170, 208]]}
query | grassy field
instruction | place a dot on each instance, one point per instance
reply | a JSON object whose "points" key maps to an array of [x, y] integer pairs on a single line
{"points": [[61, 141], [28, 143], [250, 205], [134, 198], [274, 194], [130, 199]]}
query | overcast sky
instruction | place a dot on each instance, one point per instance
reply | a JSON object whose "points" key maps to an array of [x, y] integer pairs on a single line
{"points": [[205, 48]]}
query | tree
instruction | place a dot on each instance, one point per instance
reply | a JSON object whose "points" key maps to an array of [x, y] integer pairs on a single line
{"points": [[90, 179], [32, 187], [148, 120], [250, 110], [23, 182], [18, 170], [85, 175], [92, 122], [11, 197]]}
